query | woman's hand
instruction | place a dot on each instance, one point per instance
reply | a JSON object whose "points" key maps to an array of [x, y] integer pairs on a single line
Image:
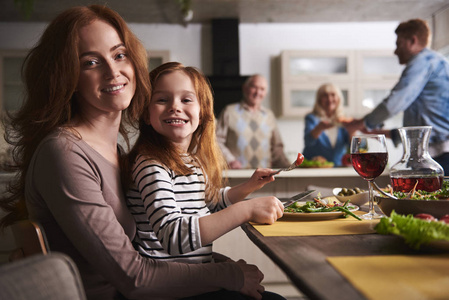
{"points": [[323, 125], [252, 277]]}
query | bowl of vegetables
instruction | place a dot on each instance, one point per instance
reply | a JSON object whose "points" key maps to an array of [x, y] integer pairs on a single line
{"points": [[417, 202], [355, 195]]}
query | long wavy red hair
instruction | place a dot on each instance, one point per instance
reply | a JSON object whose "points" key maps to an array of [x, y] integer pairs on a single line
{"points": [[50, 73]]}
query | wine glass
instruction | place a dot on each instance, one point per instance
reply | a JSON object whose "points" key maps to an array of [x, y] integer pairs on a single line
{"points": [[369, 157]]}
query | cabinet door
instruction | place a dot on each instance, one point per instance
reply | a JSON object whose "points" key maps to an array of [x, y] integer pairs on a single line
{"points": [[369, 95], [378, 65], [157, 58], [323, 66], [299, 99], [12, 89]]}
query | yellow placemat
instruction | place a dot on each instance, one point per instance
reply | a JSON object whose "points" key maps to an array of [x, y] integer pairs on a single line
{"points": [[396, 276], [340, 226]]}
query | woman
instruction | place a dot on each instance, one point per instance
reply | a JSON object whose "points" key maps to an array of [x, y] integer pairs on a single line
{"points": [[87, 71], [323, 135]]}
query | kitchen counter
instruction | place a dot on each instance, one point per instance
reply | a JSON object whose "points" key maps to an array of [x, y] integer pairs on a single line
{"points": [[301, 172], [292, 182]]}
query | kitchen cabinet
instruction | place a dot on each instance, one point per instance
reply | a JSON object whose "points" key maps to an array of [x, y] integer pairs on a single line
{"points": [[11, 95], [364, 76], [157, 58]]}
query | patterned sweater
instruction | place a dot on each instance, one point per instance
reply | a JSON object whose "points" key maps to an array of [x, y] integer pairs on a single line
{"points": [[167, 208], [252, 138]]}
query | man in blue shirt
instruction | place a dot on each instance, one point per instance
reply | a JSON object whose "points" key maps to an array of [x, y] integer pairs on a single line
{"points": [[422, 92]]}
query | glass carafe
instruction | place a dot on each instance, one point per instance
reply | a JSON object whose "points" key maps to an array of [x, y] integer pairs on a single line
{"points": [[416, 169]]}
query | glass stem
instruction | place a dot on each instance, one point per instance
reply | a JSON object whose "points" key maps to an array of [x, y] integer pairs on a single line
{"points": [[371, 197]]}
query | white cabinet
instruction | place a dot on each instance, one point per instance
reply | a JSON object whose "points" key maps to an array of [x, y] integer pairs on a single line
{"points": [[364, 76], [300, 66], [378, 72]]}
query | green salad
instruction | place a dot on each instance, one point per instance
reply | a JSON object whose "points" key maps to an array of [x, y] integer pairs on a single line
{"points": [[316, 164], [319, 206], [416, 232]]}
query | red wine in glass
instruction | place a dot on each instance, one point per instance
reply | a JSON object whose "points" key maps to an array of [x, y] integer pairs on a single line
{"points": [[405, 185], [369, 157], [369, 165]]}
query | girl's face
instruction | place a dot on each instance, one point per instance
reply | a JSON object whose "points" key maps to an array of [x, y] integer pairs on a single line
{"points": [[175, 108], [106, 82], [329, 102]]}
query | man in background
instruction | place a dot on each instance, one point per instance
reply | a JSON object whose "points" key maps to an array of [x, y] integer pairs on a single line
{"points": [[422, 92], [247, 132]]}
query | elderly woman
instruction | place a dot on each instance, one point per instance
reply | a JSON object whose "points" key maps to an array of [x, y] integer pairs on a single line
{"points": [[323, 135]]}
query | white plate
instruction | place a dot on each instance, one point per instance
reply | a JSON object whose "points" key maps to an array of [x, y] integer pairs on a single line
{"points": [[317, 216]]}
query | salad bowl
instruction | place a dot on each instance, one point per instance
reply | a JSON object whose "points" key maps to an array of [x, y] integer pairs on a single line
{"points": [[436, 208]]}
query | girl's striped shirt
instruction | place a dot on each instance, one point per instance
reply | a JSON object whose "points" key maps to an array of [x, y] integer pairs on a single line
{"points": [[167, 207]]}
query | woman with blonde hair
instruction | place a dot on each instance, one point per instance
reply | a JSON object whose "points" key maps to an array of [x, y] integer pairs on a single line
{"points": [[324, 134], [85, 80]]}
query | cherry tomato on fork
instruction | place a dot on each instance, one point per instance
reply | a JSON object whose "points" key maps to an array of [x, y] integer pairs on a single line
{"points": [[300, 159]]}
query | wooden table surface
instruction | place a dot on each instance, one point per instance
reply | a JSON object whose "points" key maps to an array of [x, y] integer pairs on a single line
{"points": [[303, 258]]}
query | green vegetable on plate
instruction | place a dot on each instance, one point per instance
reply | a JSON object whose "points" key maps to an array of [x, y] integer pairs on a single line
{"points": [[416, 232]]}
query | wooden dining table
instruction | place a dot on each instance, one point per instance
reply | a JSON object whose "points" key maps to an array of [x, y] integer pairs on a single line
{"points": [[304, 258]]}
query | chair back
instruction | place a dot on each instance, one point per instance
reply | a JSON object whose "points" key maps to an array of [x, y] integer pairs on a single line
{"points": [[30, 239], [41, 277]]}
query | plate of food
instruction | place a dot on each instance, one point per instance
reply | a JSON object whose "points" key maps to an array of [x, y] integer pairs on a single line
{"points": [[320, 209]]}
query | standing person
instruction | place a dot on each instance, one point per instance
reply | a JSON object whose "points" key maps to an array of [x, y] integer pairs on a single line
{"points": [[85, 79], [247, 132], [176, 174], [422, 92], [323, 135]]}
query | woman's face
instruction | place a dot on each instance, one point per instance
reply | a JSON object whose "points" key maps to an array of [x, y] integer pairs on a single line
{"points": [[107, 81], [175, 108], [329, 102]]}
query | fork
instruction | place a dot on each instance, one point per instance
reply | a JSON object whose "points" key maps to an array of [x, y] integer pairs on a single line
{"points": [[294, 164], [291, 167]]}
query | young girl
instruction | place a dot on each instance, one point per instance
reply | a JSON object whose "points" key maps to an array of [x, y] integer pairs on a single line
{"points": [[177, 173]]}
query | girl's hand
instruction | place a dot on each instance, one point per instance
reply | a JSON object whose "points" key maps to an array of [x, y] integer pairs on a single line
{"points": [[252, 277], [265, 210], [260, 178]]}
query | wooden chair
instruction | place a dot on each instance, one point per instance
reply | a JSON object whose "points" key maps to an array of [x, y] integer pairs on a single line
{"points": [[30, 240]]}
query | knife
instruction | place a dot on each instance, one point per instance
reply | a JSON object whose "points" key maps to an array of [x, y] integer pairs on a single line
{"points": [[297, 198]]}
